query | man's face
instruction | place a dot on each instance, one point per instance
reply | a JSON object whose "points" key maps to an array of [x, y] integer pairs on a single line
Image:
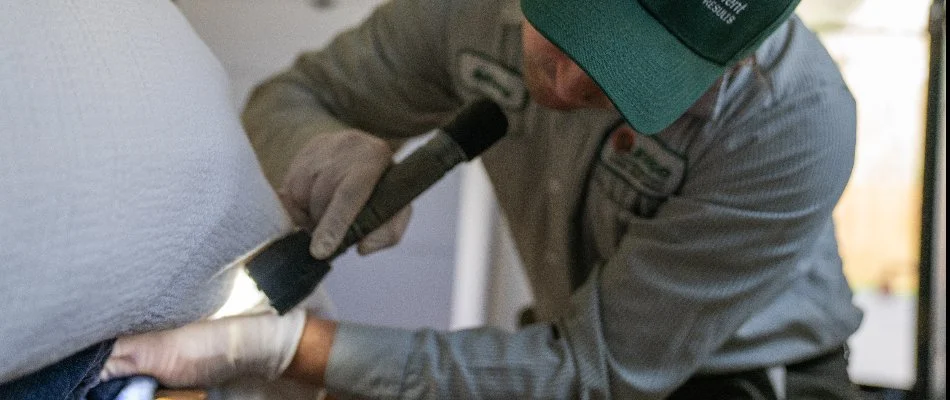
{"points": [[553, 79]]}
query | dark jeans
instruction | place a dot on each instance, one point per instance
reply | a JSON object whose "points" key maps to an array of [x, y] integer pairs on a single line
{"points": [[73, 378], [821, 378]]}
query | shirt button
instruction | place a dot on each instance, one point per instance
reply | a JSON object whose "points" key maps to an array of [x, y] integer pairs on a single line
{"points": [[554, 186]]}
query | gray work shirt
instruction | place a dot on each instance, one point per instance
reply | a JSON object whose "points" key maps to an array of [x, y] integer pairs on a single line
{"points": [[707, 248]]}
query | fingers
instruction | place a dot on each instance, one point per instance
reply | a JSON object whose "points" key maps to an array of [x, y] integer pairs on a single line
{"points": [[207, 353], [144, 354], [297, 212], [328, 183], [387, 235], [130, 356], [347, 201], [118, 365], [295, 191], [342, 187]]}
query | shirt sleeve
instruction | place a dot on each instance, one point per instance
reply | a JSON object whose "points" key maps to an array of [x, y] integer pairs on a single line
{"points": [[740, 232], [679, 286], [385, 77]]}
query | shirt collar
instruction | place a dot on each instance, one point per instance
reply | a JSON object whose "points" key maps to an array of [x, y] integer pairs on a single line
{"points": [[511, 12]]}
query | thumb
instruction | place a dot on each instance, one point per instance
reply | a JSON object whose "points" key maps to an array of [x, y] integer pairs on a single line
{"points": [[120, 364], [386, 235]]}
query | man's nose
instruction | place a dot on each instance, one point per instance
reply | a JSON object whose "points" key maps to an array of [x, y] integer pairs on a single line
{"points": [[574, 86]]}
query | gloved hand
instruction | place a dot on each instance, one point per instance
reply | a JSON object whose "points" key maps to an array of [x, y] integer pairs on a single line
{"points": [[208, 353], [327, 184]]}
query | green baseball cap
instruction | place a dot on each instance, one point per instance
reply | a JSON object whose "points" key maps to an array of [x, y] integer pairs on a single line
{"points": [[655, 58]]}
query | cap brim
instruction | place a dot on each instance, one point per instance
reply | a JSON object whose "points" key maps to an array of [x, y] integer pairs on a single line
{"points": [[649, 75]]}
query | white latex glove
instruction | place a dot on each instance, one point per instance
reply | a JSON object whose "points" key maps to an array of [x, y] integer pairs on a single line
{"points": [[329, 181], [208, 353]]}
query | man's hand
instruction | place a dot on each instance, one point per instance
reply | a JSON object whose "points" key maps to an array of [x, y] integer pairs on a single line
{"points": [[210, 352], [327, 184]]}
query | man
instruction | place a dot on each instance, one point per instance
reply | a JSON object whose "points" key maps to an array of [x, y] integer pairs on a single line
{"points": [[669, 176]]}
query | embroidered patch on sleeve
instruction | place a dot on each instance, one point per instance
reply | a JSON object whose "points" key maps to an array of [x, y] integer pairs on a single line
{"points": [[492, 79], [644, 162]]}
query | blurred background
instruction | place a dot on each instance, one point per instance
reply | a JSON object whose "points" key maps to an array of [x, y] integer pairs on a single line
{"points": [[457, 268], [883, 49]]}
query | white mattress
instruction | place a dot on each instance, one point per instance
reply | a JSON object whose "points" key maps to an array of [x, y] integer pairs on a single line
{"points": [[126, 182]]}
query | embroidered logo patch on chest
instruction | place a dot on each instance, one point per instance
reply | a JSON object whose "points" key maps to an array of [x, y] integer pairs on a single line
{"points": [[643, 161], [492, 79]]}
